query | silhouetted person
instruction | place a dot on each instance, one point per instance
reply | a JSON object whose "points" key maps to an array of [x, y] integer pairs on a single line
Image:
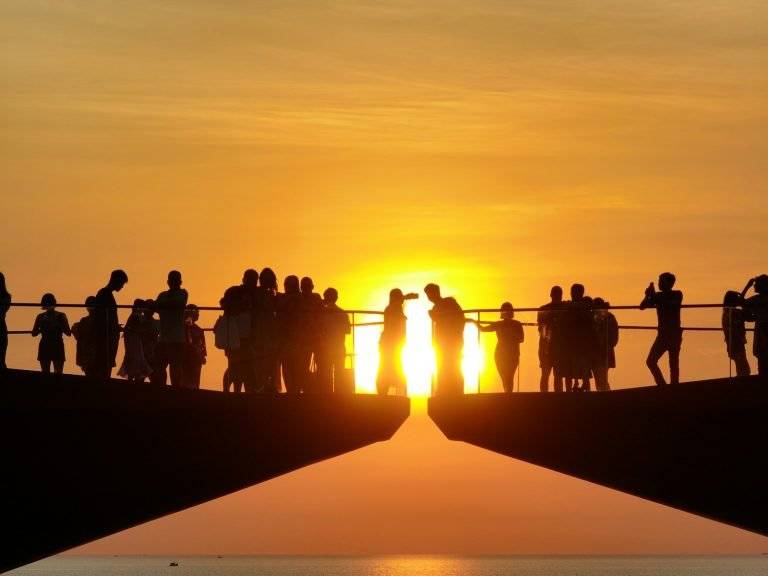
{"points": [[332, 352], [227, 338], [249, 292], [669, 337], [756, 308], [266, 334], [195, 352], [391, 344], [5, 305], [289, 320], [107, 326], [549, 320], [735, 332], [170, 352], [308, 341], [150, 333], [82, 330], [51, 326], [510, 335], [579, 336], [606, 339], [135, 367], [448, 338]]}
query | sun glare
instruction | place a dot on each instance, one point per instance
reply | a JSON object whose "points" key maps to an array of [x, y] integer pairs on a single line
{"points": [[418, 355]]}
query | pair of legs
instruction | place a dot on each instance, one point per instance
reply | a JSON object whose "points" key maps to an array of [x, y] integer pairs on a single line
{"points": [[58, 366], [391, 373], [601, 378], [330, 369], [295, 364], [507, 365], [3, 345], [170, 356], [740, 362], [450, 379], [669, 345]]}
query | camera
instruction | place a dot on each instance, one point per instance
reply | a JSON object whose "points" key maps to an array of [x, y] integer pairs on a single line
{"points": [[411, 296]]}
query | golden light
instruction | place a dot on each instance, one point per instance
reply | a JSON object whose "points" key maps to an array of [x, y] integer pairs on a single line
{"points": [[418, 354]]}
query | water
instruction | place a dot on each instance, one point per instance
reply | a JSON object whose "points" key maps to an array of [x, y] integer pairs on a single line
{"points": [[400, 566]]}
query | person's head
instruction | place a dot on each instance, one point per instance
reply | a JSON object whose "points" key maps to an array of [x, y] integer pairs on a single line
{"points": [[174, 279], [556, 293], [139, 305], [191, 314], [599, 304], [3, 288], [291, 284], [250, 278], [433, 292], [307, 285], [731, 299], [577, 292], [149, 308], [268, 279], [588, 302], [117, 280], [507, 311], [90, 304], [761, 284], [396, 296], [330, 296], [666, 281], [48, 301]]}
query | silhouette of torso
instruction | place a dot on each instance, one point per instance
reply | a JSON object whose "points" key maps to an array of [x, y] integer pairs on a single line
{"points": [[667, 304], [170, 306], [51, 325], [448, 322]]}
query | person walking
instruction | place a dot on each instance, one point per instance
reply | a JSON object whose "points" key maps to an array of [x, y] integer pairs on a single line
{"points": [[510, 335], [51, 326], [669, 336]]}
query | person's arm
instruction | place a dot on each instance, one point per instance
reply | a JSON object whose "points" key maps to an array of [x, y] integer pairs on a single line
{"points": [[65, 325], [489, 326], [649, 301], [747, 287], [36, 327], [521, 333]]}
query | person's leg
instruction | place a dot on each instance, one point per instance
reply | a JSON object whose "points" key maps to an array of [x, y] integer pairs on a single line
{"points": [[742, 364], [546, 370], [58, 366], [45, 366], [503, 368], [658, 348], [762, 365], [159, 370], [674, 364], [3, 348], [557, 382]]}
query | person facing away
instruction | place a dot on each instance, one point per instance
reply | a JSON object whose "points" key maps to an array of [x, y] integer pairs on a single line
{"points": [[510, 335], [135, 367], [735, 332], [309, 333], [391, 344], [266, 335], [51, 326], [579, 341], [549, 321], [756, 309], [289, 325], [249, 293], [606, 339], [669, 336], [195, 352], [170, 307], [448, 338], [106, 326], [5, 305], [331, 350], [82, 330]]}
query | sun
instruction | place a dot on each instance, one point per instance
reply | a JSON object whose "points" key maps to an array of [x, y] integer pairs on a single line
{"points": [[418, 354]]}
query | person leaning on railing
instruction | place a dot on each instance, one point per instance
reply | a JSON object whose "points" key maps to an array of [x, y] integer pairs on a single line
{"points": [[5, 304], [756, 308]]}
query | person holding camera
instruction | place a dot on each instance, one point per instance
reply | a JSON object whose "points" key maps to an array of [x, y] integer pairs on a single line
{"points": [[391, 344], [756, 310], [669, 337]]}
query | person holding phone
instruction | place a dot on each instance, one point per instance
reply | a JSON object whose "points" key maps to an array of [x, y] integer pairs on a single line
{"points": [[669, 336]]}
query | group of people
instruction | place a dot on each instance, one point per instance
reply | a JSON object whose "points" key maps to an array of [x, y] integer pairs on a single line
{"points": [[297, 337]]}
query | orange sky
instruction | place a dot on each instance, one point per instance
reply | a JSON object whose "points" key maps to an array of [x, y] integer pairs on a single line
{"points": [[492, 146]]}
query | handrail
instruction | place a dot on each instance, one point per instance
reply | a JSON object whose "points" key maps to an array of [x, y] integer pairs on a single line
{"points": [[130, 307]]}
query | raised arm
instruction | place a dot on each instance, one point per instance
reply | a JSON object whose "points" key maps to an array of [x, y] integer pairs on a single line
{"points": [[747, 287]]}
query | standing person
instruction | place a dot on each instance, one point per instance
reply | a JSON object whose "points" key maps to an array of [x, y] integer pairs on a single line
{"points": [[448, 338], [331, 351], [195, 352], [309, 334], [756, 308], [149, 328], [669, 337], [82, 330], [170, 306], [510, 335], [579, 341], [250, 295], [266, 334], [606, 339], [5, 305], [227, 338], [735, 332], [391, 344], [106, 326], [135, 367], [51, 326], [289, 325], [549, 321]]}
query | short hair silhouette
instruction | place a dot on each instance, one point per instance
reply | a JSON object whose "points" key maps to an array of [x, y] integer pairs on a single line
{"points": [[331, 295], [432, 291], [174, 278], [47, 300], [667, 279], [761, 284], [250, 277], [118, 279], [268, 279], [577, 291], [291, 284], [731, 299], [556, 293], [307, 285]]}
